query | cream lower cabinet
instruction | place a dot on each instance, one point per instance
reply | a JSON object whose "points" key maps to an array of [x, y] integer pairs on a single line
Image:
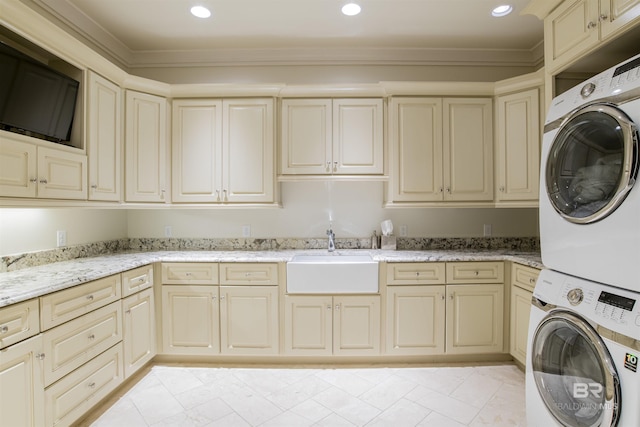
{"points": [[326, 325], [190, 319], [444, 308], [22, 384], [523, 280], [415, 320], [249, 320], [139, 332], [441, 149]]}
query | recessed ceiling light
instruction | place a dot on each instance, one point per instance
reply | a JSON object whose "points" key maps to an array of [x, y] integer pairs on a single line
{"points": [[503, 10], [200, 12], [351, 9]]}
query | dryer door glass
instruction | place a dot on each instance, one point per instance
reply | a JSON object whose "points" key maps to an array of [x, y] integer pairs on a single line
{"points": [[574, 373], [592, 163]]}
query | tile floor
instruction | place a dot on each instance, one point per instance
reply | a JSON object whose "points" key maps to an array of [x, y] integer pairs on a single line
{"points": [[491, 395]]}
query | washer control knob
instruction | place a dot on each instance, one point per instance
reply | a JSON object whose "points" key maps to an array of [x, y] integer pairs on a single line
{"points": [[575, 296], [587, 90]]}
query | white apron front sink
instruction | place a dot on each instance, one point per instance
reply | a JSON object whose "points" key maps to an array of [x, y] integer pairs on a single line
{"points": [[332, 274]]}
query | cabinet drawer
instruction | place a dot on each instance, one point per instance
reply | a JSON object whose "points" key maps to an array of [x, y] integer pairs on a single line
{"points": [[69, 346], [249, 274], [189, 273], [63, 306], [73, 396], [415, 273], [18, 322], [475, 272], [524, 277], [136, 280]]}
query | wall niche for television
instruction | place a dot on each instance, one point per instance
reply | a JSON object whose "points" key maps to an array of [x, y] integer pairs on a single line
{"points": [[41, 95]]}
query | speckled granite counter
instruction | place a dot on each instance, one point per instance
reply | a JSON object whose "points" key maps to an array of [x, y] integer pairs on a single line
{"points": [[33, 282]]}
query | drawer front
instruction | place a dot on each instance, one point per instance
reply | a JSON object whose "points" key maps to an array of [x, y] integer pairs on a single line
{"points": [[524, 277], [18, 322], [73, 396], [249, 274], [415, 273], [68, 346], [136, 280], [475, 272], [66, 305], [189, 273]]}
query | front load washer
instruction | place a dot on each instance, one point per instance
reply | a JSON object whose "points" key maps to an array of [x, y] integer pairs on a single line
{"points": [[582, 354], [589, 203]]}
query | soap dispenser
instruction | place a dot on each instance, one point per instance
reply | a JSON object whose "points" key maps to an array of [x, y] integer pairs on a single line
{"points": [[374, 240]]}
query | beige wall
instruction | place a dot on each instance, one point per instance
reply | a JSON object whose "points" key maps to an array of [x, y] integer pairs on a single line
{"points": [[355, 208], [31, 229]]}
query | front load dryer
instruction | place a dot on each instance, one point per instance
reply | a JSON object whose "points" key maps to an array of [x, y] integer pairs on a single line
{"points": [[582, 354], [589, 200]]}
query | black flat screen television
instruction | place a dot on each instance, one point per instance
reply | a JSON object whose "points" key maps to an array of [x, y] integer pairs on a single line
{"points": [[35, 99]]}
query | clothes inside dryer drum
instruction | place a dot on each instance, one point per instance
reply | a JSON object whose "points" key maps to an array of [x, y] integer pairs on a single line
{"points": [[570, 375], [592, 163]]}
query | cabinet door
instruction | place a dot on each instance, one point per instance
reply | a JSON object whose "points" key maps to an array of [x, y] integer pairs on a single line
{"points": [[61, 174], [468, 149], [520, 310], [145, 147], [416, 150], [357, 136], [21, 384], [308, 323], [356, 325], [518, 143], [139, 332], [570, 30], [616, 15], [190, 320], [103, 139], [197, 151], [415, 320], [18, 173], [249, 320], [474, 319], [306, 136], [248, 152]]}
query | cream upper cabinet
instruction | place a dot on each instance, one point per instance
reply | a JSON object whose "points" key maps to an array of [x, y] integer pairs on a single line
{"points": [[223, 151], [29, 170], [325, 325], [518, 146], [21, 384], [578, 26], [441, 150], [145, 148], [332, 136], [104, 139]]}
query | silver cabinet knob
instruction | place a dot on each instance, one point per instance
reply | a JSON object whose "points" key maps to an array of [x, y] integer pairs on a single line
{"points": [[4, 329]]}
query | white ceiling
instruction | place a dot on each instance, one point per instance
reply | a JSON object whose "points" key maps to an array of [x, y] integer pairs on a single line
{"points": [[162, 32]]}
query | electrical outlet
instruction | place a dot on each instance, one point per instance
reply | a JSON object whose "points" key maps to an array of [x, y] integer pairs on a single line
{"points": [[61, 238], [168, 231], [246, 231], [403, 231], [487, 230]]}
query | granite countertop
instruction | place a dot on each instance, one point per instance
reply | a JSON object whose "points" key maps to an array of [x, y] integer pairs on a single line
{"points": [[21, 285]]}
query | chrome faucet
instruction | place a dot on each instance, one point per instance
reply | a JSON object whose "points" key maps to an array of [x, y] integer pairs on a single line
{"points": [[332, 242]]}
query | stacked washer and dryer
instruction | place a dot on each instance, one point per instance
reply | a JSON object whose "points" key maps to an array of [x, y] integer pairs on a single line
{"points": [[584, 329]]}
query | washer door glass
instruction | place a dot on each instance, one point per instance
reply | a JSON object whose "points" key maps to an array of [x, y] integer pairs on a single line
{"points": [[574, 373], [592, 163]]}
